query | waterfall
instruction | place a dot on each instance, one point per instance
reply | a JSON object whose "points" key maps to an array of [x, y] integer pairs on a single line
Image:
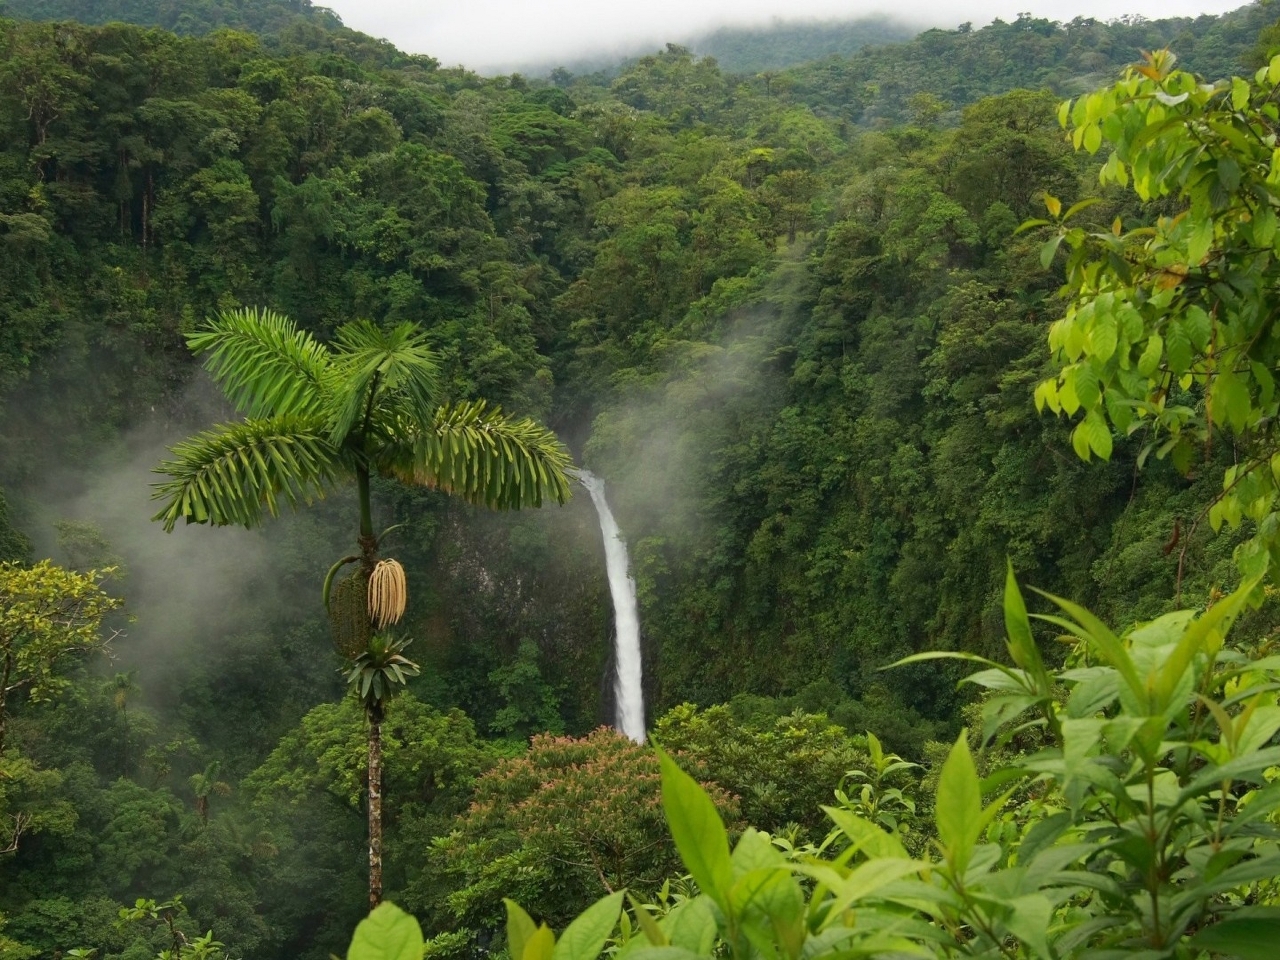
{"points": [[629, 713]]}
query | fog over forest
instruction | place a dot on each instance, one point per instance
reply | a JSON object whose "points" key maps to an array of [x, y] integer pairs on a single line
{"points": [[491, 35]]}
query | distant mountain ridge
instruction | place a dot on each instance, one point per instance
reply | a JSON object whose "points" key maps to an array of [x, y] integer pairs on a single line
{"points": [[190, 17], [748, 49], [880, 84], [787, 43]]}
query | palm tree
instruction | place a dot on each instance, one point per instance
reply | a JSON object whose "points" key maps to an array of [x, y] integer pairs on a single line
{"points": [[204, 785], [316, 416], [123, 687]]}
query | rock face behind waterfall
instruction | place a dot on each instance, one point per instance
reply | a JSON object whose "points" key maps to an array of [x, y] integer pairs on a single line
{"points": [[628, 687]]}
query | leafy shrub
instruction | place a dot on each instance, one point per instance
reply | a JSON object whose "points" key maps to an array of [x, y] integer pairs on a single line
{"points": [[568, 820], [1144, 827]]}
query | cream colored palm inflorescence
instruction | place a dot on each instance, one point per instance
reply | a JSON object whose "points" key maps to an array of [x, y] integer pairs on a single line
{"points": [[388, 593]]}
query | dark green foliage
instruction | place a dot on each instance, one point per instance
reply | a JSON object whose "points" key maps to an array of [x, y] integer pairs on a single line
{"points": [[782, 772], [876, 85], [1138, 826], [562, 824], [14, 545], [181, 16]]}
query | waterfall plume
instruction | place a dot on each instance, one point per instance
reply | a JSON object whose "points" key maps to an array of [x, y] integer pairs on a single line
{"points": [[628, 692]]}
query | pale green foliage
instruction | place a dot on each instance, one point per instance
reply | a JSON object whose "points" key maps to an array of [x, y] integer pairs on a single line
{"points": [[1145, 827], [171, 917], [48, 617], [388, 933], [318, 415], [880, 793], [1169, 332]]}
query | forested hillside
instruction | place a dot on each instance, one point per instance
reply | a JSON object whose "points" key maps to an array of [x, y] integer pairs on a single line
{"points": [[189, 17], [788, 316], [786, 43]]}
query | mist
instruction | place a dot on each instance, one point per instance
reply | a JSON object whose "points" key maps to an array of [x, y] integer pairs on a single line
{"points": [[492, 36], [192, 594]]}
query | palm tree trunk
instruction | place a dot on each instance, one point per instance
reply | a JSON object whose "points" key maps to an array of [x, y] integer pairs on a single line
{"points": [[375, 806], [368, 542]]}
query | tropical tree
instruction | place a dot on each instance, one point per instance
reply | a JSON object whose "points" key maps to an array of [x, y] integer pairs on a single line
{"points": [[204, 785], [1169, 333], [49, 618], [316, 416], [122, 687]]}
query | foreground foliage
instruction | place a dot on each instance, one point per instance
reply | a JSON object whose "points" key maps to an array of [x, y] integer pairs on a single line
{"points": [[1170, 334], [1144, 824]]}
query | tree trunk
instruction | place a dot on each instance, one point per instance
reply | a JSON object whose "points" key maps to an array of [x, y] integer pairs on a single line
{"points": [[375, 806], [368, 542]]}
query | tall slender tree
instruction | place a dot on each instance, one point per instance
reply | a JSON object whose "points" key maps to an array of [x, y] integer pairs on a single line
{"points": [[316, 416]]}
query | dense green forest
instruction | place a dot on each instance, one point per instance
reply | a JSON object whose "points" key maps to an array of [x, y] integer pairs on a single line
{"points": [[181, 16], [788, 315]]}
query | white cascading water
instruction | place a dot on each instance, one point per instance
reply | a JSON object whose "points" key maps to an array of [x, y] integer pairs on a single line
{"points": [[629, 715]]}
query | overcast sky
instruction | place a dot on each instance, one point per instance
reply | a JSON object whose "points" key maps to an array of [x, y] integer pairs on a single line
{"points": [[489, 34]]}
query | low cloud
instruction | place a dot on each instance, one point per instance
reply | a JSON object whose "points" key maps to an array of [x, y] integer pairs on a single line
{"points": [[492, 35]]}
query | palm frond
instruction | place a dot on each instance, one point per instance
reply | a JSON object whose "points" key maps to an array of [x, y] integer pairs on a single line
{"points": [[266, 365], [486, 458], [235, 472], [396, 362]]}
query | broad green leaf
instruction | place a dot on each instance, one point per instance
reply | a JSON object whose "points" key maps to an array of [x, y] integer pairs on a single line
{"points": [[1089, 628], [1178, 347], [1080, 442], [1028, 919], [1198, 326], [1215, 622], [586, 936], [540, 946], [692, 925], [1104, 336], [1239, 93], [1149, 362], [1092, 138], [1022, 645], [1098, 434], [959, 804], [1254, 937], [774, 893], [664, 953], [866, 879], [1230, 399], [697, 829], [520, 928], [1048, 249], [388, 933], [652, 931], [1199, 241], [865, 836], [754, 851]]}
